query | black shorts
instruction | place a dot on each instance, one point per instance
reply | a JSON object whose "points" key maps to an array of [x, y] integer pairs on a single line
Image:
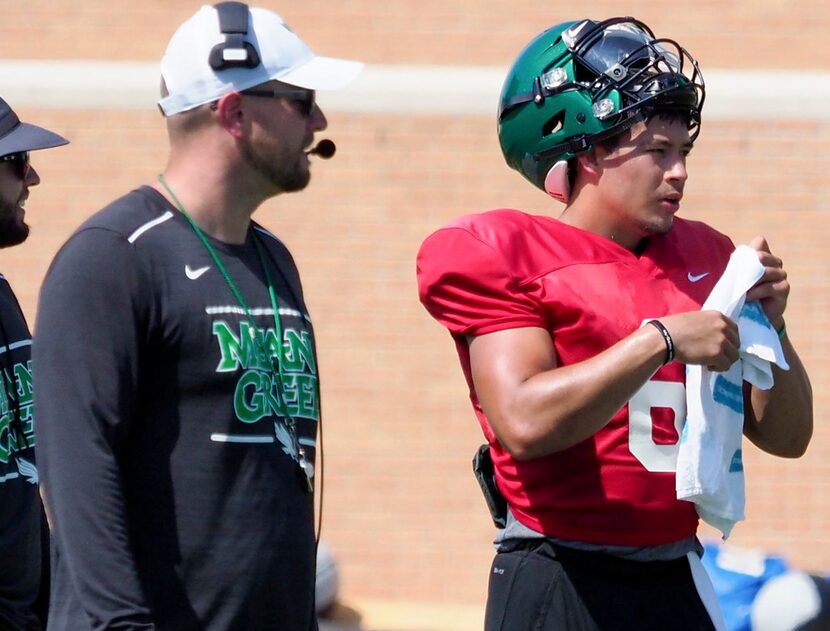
{"points": [[538, 585]]}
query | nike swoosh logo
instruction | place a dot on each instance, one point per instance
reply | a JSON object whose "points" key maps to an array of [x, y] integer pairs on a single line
{"points": [[193, 274], [695, 278]]}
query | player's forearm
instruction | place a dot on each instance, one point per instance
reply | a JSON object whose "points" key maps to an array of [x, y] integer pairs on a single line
{"points": [[558, 408], [780, 420]]}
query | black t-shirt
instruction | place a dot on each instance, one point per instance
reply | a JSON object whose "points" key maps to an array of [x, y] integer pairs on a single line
{"points": [[20, 512], [175, 500]]}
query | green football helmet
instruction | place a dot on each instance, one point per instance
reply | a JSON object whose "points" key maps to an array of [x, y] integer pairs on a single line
{"points": [[580, 83]]}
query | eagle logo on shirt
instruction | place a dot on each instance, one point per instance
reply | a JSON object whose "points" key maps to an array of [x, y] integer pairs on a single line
{"points": [[285, 438], [28, 470]]}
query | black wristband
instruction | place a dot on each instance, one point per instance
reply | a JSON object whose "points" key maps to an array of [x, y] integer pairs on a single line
{"points": [[666, 338]]}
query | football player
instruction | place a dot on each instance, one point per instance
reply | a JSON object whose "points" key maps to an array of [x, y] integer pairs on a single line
{"points": [[548, 312]]}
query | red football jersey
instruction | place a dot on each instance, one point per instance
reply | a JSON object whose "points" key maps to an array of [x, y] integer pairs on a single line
{"points": [[507, 269]]}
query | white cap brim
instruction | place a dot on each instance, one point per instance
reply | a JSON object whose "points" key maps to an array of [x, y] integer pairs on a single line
{"points": [[323, 73]]}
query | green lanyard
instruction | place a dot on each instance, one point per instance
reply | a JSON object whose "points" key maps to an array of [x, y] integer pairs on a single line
{"points": [[287, 419]]}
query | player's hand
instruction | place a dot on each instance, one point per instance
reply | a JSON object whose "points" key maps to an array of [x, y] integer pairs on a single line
{"points": [[773, 288], [706, 338]]}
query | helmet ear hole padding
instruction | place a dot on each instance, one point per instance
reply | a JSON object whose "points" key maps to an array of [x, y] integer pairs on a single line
{"points": [[557, 182]]}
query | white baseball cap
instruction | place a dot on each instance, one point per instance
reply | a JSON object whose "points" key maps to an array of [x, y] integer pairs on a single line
{"points": [[205, 61]]}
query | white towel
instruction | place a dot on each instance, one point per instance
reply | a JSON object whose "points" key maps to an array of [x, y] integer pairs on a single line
{"points": [[710, 469]]}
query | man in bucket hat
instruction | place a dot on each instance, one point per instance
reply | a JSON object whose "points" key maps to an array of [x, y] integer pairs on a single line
{"points": [[24, 538], [180, 398]]}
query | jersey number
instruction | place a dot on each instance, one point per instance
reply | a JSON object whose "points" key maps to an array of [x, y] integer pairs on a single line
{"points": [[655, 394]]}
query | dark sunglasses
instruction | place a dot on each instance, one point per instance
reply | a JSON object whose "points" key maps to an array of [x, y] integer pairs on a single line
{"points": [[304, 98], [20, 160]]}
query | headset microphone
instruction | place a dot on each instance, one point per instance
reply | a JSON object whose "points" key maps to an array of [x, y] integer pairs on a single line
{"points": [[325, 149]]}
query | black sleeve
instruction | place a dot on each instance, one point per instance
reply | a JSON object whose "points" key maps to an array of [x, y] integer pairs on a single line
{"points": [[85, 362]]}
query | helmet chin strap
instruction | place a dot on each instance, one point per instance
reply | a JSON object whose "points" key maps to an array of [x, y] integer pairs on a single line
{"points": [[557, 184]]}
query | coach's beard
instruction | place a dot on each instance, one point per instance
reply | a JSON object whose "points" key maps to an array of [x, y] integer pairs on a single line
{"points": [[13, 228]]}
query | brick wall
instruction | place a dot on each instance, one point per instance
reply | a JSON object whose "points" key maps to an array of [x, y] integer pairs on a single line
{"points": [[722, 34], [403, 513]]}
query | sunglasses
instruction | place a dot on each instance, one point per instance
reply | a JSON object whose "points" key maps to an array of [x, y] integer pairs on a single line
{"points": [[20, 160], [304, 98]]}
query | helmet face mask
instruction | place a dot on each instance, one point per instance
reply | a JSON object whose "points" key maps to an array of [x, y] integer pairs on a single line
{"points": [[581, 83]]}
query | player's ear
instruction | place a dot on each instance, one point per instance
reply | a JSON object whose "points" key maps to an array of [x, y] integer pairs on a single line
{"points": [[587, 162]]}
